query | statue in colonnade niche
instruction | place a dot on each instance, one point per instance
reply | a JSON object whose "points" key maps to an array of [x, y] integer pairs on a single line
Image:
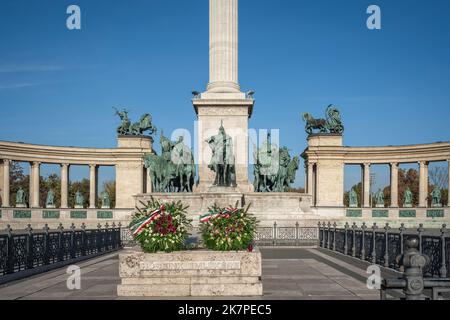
{"points": [[379, 199], [274, 169], [408, 201], [436, 196], [79, 200], [222, 159], [174, 170], [21, 198], [127, 128], [353, 199], [332, 124], [50, 200], [106, 201]]}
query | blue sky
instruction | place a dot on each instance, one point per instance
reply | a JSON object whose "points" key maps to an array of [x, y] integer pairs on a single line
{"points": [[58, 87]]}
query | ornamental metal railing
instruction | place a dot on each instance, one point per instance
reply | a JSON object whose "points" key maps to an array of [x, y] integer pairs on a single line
{"points": [[265, 236], [383, 246], [29, 252]]}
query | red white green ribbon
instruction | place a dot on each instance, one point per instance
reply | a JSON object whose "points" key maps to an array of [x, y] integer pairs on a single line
{"points": [[142, 223], [212, 215]]}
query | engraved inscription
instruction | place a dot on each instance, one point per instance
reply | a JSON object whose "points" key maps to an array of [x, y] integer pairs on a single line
{"points": [[190, 265]]}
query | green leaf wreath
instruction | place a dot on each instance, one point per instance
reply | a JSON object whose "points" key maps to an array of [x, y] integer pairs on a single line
{"points": [[228, 229], [161, 226]]}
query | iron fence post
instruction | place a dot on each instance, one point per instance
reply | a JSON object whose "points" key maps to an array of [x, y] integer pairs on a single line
{"points": [[413, 262], [329, 236], [386, 245], [374, 243], [420, 230], [443, 269], [297, 240], [108, 237], [46, 245], [99, 238], [320, 233], [29, 248], [334, 235], [120, 234], [274, 234], [354, 227], [83, 240], [10, 253], [346, 238], [324, 227], [402, 230], [72, 241], [363, 242], [60, 244]]}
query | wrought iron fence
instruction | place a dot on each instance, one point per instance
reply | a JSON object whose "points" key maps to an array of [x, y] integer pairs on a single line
{"points": [[28, 252], [384, 245], [265, 236]]}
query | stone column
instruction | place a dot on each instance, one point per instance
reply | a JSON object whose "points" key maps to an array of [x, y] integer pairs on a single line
{"points": [[148, 181], [6, 166], [223, 39], [93, 174], [366, 185], [310, 179], [394, 185], [64, 185], [448, 163], [423, 184], [34, 184]]}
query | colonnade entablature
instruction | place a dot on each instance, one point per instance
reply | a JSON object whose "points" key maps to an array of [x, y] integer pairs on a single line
{"points": [[127, 158], [326, 158]]}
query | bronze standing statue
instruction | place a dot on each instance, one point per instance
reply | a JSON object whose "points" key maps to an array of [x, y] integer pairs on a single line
{"points": [[222, 160]]}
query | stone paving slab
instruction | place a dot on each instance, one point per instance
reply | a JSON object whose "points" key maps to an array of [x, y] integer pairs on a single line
{"points": [[299, 274]]}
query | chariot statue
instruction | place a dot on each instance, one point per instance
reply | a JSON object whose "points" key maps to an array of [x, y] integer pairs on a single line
{"points": [[222, 160], [174, 170], [274, 169], [332, 124], [127, 128]]}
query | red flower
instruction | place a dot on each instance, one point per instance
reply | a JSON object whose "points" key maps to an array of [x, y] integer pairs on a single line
{"points": [[250, 248]]}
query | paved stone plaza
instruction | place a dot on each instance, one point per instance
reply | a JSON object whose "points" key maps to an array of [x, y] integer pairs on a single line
{"points": [[290, 273]]}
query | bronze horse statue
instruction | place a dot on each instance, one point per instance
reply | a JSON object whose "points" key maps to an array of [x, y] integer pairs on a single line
{"points": [[314, 124]]}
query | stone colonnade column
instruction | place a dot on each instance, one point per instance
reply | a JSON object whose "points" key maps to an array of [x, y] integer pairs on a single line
{"points": [[93, 175], [34, 184], [6, 166], [366, 185], [448, 185], [423, 184], [394, 185], [64, 185]]}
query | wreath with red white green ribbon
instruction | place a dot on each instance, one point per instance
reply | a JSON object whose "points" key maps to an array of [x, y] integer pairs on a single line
{"points": [[228, 229], [161, 226]]}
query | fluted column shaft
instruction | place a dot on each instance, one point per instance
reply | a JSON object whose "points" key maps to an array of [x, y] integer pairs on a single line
{"points": [[423, 184], [394, 185], [64, 185], [366, 185], [34, 184], [448, 185], [223, 54], [6, 187], [93, 170]]}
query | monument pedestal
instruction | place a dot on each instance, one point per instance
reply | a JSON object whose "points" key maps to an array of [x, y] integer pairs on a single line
{"points": [[200, 273]]}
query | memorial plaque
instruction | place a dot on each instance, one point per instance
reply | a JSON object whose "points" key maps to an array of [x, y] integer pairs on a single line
{"points": [[190, 265], [22, 214]]}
